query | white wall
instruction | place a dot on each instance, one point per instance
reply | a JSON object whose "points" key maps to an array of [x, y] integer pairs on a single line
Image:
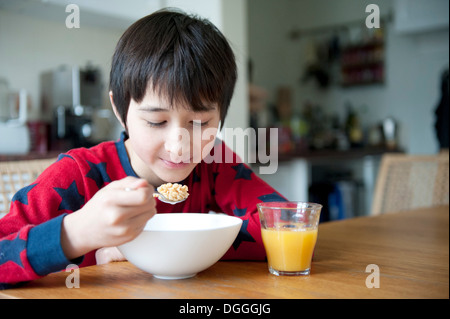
{"points": [[414, 64], [31, 45], [235, 29]]}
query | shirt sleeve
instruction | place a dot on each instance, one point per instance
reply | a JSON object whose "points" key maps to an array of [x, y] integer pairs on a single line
{"points": [[237, 191], [30, 234]]}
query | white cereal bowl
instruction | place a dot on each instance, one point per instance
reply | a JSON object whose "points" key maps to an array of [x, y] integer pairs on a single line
{"points": [[179, 245]]}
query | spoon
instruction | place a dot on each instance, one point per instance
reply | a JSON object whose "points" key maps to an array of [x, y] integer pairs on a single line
{"points": [[160, 196], [163, 199]]}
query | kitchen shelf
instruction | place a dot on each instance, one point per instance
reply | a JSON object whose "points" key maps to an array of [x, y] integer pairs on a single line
{"points": [[363, 64]]}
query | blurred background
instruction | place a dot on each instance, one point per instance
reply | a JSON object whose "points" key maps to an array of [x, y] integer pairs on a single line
{"points": [[340, 93]]}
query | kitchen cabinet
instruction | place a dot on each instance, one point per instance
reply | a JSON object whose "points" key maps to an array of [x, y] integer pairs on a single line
{"points": [[363, 63]]}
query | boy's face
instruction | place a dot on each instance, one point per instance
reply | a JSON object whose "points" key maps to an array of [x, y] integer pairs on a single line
{"points": [[166, 143]]}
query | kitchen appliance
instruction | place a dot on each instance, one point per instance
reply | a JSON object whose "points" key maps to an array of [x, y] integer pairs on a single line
{"points": [[70, 96], [14, 134], [390, 132]]}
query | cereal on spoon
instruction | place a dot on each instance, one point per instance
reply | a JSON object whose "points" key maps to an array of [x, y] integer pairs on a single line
{"points": [[173, 192]]}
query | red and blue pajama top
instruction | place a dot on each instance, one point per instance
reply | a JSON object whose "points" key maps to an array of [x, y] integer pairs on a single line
{"points": [[30, 245]]}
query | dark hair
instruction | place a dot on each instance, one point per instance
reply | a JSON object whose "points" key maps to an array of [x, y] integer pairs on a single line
{"points": [[184, 58]]}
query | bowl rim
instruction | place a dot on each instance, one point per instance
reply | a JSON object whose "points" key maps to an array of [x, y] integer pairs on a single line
{"points": [[238, 222]]}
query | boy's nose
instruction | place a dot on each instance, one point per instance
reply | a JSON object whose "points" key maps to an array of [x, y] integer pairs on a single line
{"points": [[178, 145]]}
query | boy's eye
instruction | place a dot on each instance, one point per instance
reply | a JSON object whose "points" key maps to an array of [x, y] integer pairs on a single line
{"points": [[160, 124], [199, 123], [153, 124]]}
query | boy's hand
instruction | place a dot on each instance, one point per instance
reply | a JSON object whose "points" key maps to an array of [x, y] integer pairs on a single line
{"points": [[107, 255], [115, 215]]}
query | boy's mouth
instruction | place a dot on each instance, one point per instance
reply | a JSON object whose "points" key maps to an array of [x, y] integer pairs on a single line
{"points": [[180, 164]]}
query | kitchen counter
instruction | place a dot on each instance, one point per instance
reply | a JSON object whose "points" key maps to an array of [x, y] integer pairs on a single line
{"points": [[331, 154]]}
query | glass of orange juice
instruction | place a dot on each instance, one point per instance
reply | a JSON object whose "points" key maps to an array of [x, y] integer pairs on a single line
{"points": [[289, 233]]}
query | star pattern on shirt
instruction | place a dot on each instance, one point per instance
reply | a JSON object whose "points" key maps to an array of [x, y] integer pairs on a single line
{"points": [[243, 235], [22, 194], [195, 176], [242, 172], [273, 197], [71, 198], [98, 173], [10, 250], [239, 211], [213, 190], [61, 156]]}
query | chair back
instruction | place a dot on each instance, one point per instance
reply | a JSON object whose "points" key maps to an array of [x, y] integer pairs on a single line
{"points": [[407, 182], [17, 174]]}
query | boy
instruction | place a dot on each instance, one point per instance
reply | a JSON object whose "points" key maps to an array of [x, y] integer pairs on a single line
{"points": [[171, 73]]}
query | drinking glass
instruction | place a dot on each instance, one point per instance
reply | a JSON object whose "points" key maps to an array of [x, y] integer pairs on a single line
{"points": [[289, 232]]}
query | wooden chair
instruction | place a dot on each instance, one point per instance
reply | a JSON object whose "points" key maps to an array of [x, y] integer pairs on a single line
{"points": [[407, 182], [16, 174]]}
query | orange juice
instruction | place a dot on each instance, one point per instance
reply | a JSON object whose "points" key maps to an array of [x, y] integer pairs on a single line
{"points": [[289, 250]]}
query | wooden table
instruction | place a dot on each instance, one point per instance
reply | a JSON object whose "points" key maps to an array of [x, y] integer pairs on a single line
{"points": [[411, 250]]}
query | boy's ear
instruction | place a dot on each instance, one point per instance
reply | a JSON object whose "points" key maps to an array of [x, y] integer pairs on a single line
{"points": [[115, 109]]}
